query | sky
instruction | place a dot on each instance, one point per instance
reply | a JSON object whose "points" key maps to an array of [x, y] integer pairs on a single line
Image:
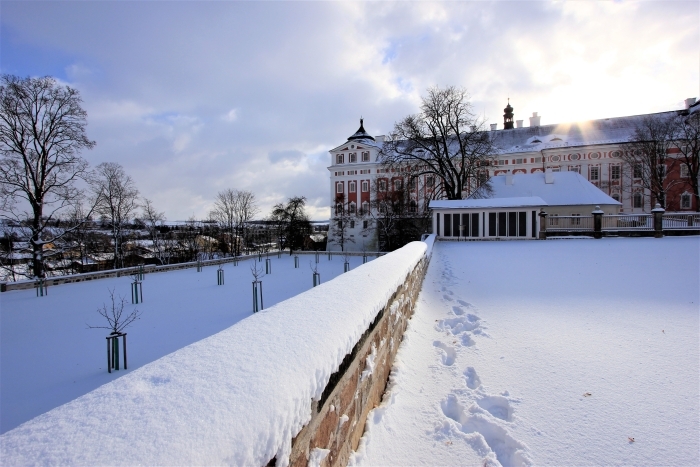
{"points": [[193, 98]]}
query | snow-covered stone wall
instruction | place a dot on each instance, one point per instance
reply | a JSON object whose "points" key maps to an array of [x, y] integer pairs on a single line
{"points": [[291, 384]]}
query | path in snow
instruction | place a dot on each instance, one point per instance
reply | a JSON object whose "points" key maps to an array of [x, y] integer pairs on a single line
{"points": [[548, 353], [48, 357]]}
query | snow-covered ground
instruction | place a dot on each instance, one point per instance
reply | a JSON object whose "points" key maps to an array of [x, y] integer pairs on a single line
{"points": [[570, 352], [48, 356]]}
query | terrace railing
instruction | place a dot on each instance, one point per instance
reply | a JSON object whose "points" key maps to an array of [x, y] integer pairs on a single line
{"points": [[689, 221], [628, 222], [570, 223]]}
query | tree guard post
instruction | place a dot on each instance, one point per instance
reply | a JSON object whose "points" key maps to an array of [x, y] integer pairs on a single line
{"points": [[268, 266], [317, 257], [364, 259], [136, 292], [257, 293], [346, 266], [41, 288], [220, 276], [296, 261], [317, 279], [113, 350]]}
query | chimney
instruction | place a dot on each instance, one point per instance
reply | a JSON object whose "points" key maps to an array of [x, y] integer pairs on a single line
{"points": [[494, 126], [518, 123], [689, 101], [548, 176], [509, 178], [534, 120]]}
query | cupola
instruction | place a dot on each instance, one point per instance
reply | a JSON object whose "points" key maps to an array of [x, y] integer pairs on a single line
{"points": [[508, 117], [361, 133]]}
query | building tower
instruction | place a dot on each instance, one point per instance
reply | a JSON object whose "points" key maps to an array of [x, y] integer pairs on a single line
{"points": [[508, 117]]}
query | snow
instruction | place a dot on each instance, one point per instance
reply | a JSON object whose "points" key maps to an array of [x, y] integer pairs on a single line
{"points": [[180, 307], [485, 203], [237, 397], [569, 188], [547, 353]]}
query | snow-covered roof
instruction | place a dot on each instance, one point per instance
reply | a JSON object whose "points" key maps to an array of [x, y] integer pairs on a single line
{"points": [[516, 202], [601, 131], [566, 189]]}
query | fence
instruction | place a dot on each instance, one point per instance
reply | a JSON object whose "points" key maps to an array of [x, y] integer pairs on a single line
{"points": [[628, 222], [570, 223], [657, 224]]}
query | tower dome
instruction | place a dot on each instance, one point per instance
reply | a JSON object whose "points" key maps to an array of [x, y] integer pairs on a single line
{"points": [[361, 133], [508, 117]]}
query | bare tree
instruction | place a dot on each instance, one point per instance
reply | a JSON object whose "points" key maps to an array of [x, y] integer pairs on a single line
{"points": [[344, 216], [397, 212], [42, 131], [446, 140], [114, 314], [233, 209], [646, 163], [116, 198], [153, 220], [292, 223], [686, 137]]}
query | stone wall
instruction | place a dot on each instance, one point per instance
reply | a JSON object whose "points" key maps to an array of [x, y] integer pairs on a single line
{"points": [[338, 418]]}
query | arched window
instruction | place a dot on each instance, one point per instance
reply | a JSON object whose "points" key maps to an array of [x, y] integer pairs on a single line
{"points": [[616, 197], [365, 207], [413, 207], [353, 208], [338, 209]]}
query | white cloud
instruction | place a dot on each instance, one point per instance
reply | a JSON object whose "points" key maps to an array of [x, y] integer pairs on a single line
{"points": [[165, 82]]}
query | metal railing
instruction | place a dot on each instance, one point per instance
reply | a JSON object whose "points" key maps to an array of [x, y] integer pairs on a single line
{"points": [[570, 223], [689, 221], [628, 222]]}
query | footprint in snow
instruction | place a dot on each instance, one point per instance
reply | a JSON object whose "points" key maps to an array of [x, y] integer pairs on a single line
{"points": [[448, 353], [508, 450], [473, 380], [457, 310]]}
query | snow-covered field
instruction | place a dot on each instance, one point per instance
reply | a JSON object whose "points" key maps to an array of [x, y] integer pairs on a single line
{"points": [[48, 356], [569, 352]]}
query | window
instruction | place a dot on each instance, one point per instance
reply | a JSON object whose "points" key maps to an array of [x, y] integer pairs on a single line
{"points": [[595, 155], [339, 159], [637, 170], [616, 197], [398, 184], [661, 170], [353, 157], [575, 168], [413, 207], [352, 209], [382, 185], [430, 181], [555, 158], [518, 161], [352, 224], [615, 172], [637, 200], [616, 154], [365, 171], [685, 201], [575, 157], [365, 208], [339, 187], [538, 159], [352, 187], [365, 186], [685, 173], [338, 209], [411, 183], [365, 157], [365, 224], [595, 174]]}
